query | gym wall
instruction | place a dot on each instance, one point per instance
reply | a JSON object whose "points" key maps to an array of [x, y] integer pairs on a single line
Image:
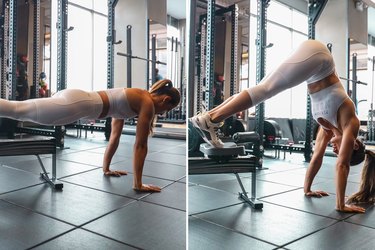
{"points": [[134, 13], [338, 22]]}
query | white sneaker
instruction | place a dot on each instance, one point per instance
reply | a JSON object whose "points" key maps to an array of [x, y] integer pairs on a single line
{"points": [[202, 122]]}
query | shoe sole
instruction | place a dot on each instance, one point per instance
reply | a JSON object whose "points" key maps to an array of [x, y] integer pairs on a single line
{"points": [[202, 133]]}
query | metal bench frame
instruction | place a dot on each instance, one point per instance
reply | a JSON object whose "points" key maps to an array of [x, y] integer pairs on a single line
{"points": [[34, 146]]}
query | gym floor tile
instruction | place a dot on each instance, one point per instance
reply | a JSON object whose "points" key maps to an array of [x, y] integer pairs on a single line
{"points": [[83, 240], [7, 160], [122, 150], [274, 224], [367, 219], [72, 143], [21, 228], [144, 225], [162, 142], [182, 180], [116, 185], [74, 204], [205, 179], [327, 171], [356, 178], [179, 150], [203, 199], [342, 235], [13, 179], [330, 187], [172, 196], [63, 168], [154, 169], [89, 158], [283, 164], [165, 157], [263, 188], [207, 236], [286, 178], [296, 199]]}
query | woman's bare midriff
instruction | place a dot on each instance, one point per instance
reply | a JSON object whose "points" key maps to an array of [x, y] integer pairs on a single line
{"points": [[322, 84]]}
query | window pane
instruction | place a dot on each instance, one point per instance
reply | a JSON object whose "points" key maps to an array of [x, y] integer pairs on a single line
{"points": [[299, 21], [281, 39], [84, 3], [101, 6], [100, 53], [279, 13], [79, 49], [299, 93]]}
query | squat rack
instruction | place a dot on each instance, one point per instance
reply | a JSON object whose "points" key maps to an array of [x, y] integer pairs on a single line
{"points": [[8, 47], [206, 54]]}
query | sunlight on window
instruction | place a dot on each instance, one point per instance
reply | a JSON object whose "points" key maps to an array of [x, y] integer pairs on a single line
{"points": [[100, 52], [79, 61], [85, 3], [87, 46], [286, 30]]}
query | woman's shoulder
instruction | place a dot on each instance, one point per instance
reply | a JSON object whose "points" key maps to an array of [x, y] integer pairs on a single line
{"points": [[139, 97], [139, 93]]}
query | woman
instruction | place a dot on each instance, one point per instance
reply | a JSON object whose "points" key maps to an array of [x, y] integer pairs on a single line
{"points": [[331, 108], [70, 105]]}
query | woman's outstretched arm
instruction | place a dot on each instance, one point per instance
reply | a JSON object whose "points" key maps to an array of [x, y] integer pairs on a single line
{"points": [[116, 130], [144, 124], [322, 140], [343, 166]]}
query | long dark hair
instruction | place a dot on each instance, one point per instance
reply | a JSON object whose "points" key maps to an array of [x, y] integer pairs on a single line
{"points": [[164, 87], [366, 191], [358, 155]]}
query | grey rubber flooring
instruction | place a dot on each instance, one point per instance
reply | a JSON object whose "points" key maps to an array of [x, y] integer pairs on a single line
{"points": [[218, 219], [94, 211]]}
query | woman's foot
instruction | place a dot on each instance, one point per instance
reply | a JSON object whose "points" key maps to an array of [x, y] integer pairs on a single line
{"points": [[202, 122]]}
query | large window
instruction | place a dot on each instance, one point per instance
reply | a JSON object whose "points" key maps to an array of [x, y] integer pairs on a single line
{"points": [[286, 29], [87, 46]]}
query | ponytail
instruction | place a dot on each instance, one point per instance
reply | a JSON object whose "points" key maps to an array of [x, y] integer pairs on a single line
{"points": [[366, 191]]}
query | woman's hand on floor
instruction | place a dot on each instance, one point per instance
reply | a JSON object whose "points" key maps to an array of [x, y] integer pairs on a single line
{"points": [[351, 209], [148, 188], [116, 173], [317, 193]]}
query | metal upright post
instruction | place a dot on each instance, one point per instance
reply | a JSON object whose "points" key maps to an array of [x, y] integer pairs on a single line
{"points": [[129, 52], [201, 70], [315, 8], [148, 56], [4, 47], [261, 66], [371, 129], [354, 79], [210, 54], [111, 41], [12, 49], [36, 47], [153, 58], [62, 21], [234, 52], [190, 63]]}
